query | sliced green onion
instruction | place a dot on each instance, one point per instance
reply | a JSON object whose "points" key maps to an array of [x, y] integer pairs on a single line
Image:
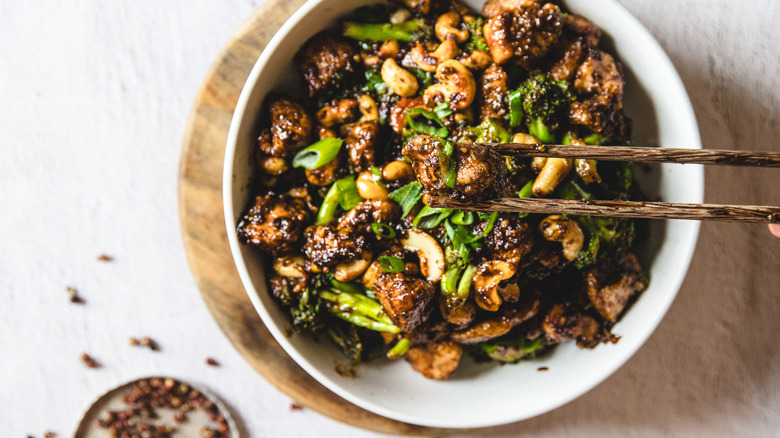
{"points": [[538, 129], [391, 265], [399, 349], [425, 218], [329, 206], [407, 196], [383, 230], [449, 172], [449, 284], [515, 108], [462, 218], [376, 176], [348, 193], [442, 110], [318, 154], [464, 285], [491, 223], [424, 128], [527, 191]]}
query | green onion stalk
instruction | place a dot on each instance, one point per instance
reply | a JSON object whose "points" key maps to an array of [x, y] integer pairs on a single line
{"points": [[359, 310]]}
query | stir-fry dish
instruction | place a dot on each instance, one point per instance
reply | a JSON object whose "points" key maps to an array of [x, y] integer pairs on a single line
{"points": [[356, 254]]}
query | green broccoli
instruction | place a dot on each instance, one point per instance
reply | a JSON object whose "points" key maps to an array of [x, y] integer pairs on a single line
{"points": [[305, 308], [477, 39], [358, 309], [378, 32], [513, 350], [539, 103]]}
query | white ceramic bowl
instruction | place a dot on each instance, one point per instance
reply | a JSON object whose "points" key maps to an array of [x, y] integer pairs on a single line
{"points": [[662, 114]]}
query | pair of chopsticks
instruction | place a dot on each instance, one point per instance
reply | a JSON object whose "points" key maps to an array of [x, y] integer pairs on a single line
{"points": [[633, 209]]}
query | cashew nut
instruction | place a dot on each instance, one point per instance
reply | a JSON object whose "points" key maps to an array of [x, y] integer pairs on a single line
{"points": [[586, 169], [428, 250], [476, 60], [398, 171], [400, 15], [428, 61], [338, 112], [537, 163], [351, 269], [445, 28], [562, 229], [419, 6], [368, 188], [368, 108], [553, 172], [290, 266], [485, 281], [272, 165], [402, 82], [456, 85]]}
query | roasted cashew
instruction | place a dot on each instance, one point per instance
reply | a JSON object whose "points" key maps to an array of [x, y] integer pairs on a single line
{"points": [[485, 281], [557, 228], [398, 170], [402, 82], [351, 269], [272, 165], [368, 109], [586, 169], [429, 61], [368, 187], [456, 85], [388, 49], [400, 15], [290, 266], [428, 250], [537, 163], [445, 28], [476, 60], [553, 172]]}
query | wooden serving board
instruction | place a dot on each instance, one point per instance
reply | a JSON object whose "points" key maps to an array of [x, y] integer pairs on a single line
{"points": [[205, 238]]}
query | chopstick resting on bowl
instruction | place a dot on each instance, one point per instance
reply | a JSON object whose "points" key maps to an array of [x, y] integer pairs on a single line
{"points": [[615, 208]]}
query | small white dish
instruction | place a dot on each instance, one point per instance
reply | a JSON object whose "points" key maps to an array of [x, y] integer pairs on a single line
{"points": [[481, 395]]}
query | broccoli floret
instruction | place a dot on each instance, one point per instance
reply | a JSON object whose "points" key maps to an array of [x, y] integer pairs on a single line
{"points": [[407, 31], [477, 39], [306, 310], [539, 103], [606, 235], [513, 350]]}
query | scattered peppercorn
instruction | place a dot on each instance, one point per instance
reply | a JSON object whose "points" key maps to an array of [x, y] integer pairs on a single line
{"points": [[211, 361], [49, 434], [149, 342], [105, 258], [542, 369], [135, 342], [295, 407], [89, 361], [74, 295]]}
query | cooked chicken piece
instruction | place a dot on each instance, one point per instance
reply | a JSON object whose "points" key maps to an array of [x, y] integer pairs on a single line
{"points": [[457, 313], [338, 111], [563, 322], [406, 300], [325, 60], [499, 325], [368, 212], [432, 330], [493, 93], [599, 74], [275, 223], [570, 59], [435, 360], [326, 246], [397, 118], [285, 287], [524, 35], [481, 173], [544, 259], [290, 127], [495, 7], [361, 144], [582, 27], [610, 285], [327, 173], [509, 240]]}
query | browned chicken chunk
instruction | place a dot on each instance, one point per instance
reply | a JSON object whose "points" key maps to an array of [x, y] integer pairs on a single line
{"points": [[406, 300], [325, 60], [499, 325], [275, 223], [435, 360], [582, 27], [397, 118], [290, 128], [495, 7], [562, 322], [610, 285], [361, 145], [493, 93], [510, 239], [524, 35], [481, 173], [326, 246], [338, 111], [598, 77]]}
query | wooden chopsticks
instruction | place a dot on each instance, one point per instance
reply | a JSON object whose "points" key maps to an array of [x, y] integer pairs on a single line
{"points": [[634, 153], [632, 209]]}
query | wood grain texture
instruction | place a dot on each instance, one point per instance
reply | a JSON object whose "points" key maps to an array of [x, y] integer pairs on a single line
{"points": [[205, 238]]}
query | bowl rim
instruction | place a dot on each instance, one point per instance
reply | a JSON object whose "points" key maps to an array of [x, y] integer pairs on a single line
{"points": [[230, 220]]}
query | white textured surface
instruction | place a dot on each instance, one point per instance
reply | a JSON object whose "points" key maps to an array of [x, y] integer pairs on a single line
{"points": [[95, 95]]}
